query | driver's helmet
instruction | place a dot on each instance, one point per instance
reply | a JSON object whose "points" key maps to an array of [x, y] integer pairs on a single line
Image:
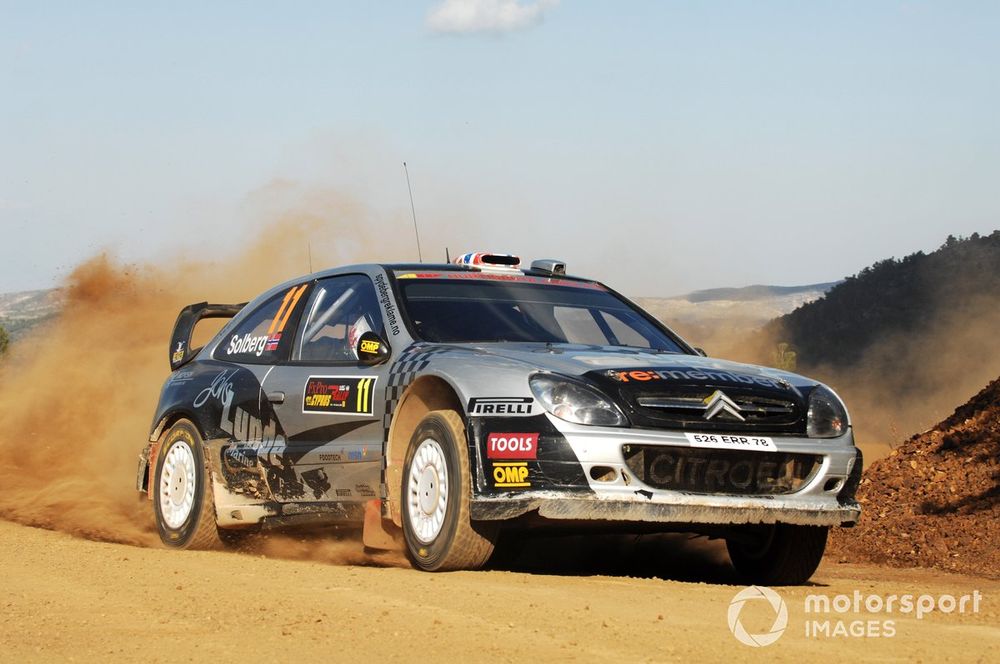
{"points": [[354, 332]]}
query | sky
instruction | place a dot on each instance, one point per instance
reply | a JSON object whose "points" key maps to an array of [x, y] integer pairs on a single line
{"points": [[659, 146]]}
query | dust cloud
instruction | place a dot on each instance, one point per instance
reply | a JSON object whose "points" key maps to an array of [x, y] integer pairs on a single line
{"points": [[909, 381], [77, 396]]}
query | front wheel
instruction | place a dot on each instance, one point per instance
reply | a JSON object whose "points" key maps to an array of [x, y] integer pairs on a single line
{"points": [[436, 492], [778, 555], [182, 491]]}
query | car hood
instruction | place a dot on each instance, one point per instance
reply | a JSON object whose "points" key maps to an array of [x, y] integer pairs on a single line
{"points": [[635, 365]]}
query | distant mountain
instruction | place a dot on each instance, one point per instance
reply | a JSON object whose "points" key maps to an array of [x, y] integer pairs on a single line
{"points": [[759, 292], [21, 311]]}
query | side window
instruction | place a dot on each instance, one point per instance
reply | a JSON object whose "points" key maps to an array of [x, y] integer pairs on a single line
{"points": [[260, 336], [339, 311]]}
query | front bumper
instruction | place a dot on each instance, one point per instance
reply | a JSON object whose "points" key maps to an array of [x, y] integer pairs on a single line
{"points": [[680, 509], [613, 492]]}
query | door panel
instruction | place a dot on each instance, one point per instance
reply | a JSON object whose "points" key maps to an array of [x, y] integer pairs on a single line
{"points": [[333, 428], [330, 406]]}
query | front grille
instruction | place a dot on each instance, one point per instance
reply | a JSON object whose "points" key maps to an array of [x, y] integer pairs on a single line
{"points": [[685, 408], [732, 472]]}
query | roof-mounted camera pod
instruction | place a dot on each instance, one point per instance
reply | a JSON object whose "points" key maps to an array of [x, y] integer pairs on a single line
{"points": [[549, 266]]}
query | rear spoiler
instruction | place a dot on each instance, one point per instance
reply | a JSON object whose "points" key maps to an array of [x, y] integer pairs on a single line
{"points": [[180, 342]]}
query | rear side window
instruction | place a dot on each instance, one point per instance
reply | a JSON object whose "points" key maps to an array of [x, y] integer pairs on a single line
{"points": [[261, 336], [340, 310]]}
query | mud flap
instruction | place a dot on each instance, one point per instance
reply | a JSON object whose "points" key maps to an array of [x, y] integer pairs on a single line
{"points": [[379, 533]]}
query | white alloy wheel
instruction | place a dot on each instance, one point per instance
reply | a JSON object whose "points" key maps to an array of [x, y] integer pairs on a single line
{"points": [[177, 484], [428, 491]]}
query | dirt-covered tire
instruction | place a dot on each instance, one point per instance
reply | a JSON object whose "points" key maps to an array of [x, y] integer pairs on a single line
{"points": [[783, 555], [182, 491], [436, 492]]}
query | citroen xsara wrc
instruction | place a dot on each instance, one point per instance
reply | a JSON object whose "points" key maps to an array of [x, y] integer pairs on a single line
{"points": [[440, 407]]}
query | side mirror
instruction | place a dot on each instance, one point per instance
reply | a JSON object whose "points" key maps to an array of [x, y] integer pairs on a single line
{"points": [[701, 351], [372, 349]]}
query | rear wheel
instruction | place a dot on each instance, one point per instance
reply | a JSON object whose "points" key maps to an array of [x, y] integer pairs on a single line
{"points": [[436, 492], [182, 491], [778, 555]]}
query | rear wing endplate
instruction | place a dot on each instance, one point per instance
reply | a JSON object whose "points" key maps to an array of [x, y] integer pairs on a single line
{"points": [[180, 342]]}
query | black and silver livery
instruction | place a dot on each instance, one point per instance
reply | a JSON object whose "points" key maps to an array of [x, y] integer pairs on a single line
{"points": [[440, 405]]}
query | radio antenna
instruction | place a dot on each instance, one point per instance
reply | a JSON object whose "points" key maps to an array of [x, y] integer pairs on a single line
{"points": [[309, 248], [413, 211], [447, 256]]}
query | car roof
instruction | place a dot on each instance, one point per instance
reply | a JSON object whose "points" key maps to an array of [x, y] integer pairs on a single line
{"points": [[425, 267], [399, 267]]}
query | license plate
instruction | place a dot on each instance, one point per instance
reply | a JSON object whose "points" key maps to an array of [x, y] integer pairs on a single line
{"points": [[728, 441]]}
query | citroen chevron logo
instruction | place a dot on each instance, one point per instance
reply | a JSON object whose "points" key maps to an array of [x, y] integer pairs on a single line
{"points": [[717, 402]]}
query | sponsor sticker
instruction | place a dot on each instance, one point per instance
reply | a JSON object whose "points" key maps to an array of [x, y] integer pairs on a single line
{"points": [[339, 395], [370, 347], [511, 475], [180, 377], [178, 353], [507, 406], [248, 344], [687, 374], [385, 299], [726, 441], [512, 446]]}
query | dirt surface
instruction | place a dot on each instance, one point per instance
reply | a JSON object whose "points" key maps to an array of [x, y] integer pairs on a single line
{"points": [[77, 600], [935, 500]]}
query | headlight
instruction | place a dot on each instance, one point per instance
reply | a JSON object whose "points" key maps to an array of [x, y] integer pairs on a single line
{"points": [[827, 417], [574, 401]]}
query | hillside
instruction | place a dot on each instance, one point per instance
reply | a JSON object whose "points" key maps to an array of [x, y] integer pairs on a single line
{"points": [[935, 500], [20, 311], [894, 297]]}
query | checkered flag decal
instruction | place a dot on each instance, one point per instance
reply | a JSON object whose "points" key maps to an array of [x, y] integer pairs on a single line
{"points": [[404, 371], [413, 360]]}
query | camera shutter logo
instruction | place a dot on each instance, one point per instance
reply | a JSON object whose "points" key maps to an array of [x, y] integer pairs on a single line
{"points": [[780, 616]]}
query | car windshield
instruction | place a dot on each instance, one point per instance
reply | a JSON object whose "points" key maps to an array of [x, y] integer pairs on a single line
{"points": [[474, 308]]}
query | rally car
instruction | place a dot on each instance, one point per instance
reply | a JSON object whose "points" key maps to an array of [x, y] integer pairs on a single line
{"points": [[438, 406]]}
